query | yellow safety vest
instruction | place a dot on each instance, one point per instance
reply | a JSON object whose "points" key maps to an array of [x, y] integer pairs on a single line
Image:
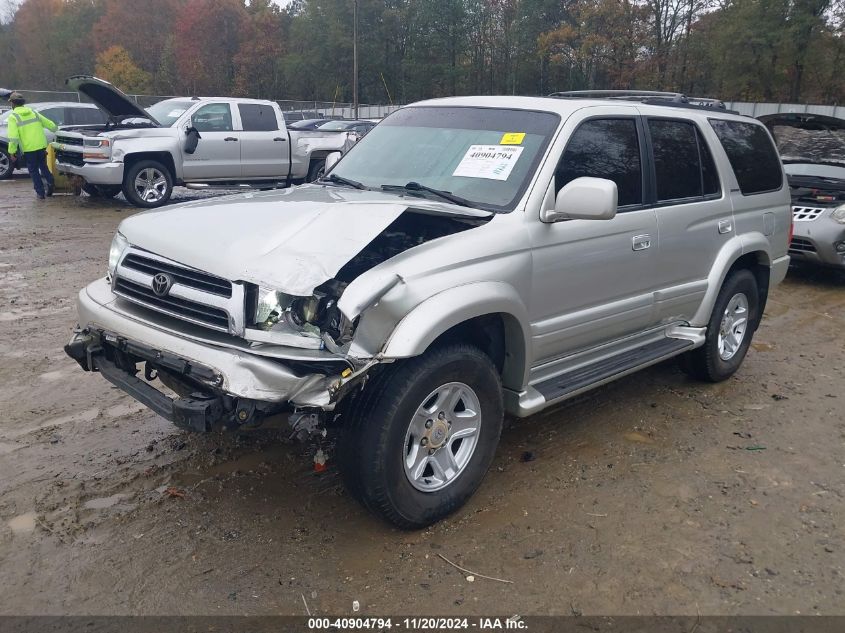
{"points": [[26, 128]]}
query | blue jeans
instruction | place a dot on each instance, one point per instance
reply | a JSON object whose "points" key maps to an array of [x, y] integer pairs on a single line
{"points": [[37, 162]]}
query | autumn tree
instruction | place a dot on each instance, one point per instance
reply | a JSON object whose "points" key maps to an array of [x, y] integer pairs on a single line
{"points": [[207, 37], [258, 71], [116, 66], [144, 29]]}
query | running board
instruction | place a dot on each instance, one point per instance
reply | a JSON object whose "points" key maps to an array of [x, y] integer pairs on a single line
{"points": [[205, 186], [577, 380]]}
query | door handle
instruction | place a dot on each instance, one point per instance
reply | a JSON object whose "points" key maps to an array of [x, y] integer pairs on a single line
{"points": [[725, 226], [641, 242], [279, 138], [230, 138]]}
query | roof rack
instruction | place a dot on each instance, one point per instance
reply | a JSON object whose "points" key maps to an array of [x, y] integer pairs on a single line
{"points": [[651, 97]]}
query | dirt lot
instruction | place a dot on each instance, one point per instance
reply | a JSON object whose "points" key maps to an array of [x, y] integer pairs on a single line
{"points": [[653, 495]]}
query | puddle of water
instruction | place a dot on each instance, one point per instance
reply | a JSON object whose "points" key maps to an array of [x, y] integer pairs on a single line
{"points": [[51, 376], [83, 416], [633, 436], [6, 448], [101, 503], [23, 523], [122, 410]]}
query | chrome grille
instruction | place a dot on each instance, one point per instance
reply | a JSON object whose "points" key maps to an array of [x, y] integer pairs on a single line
{"points": [[68, 140], [193, 295], [190, 310], [70, 158], [806, 214], [800, 245], [185, 276]]}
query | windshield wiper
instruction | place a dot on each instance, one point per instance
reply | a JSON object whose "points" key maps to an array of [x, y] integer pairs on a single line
{"points": [[446, 195], [340, 180]]}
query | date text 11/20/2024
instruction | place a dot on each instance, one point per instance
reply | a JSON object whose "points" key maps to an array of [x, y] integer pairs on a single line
{"points": [[417, 624]]}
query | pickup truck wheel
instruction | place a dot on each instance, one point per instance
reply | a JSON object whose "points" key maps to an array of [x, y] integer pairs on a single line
{"points": [[6, 167], [729, 331], [419, 439], [101, 191], [147, 184], [316, 170]]}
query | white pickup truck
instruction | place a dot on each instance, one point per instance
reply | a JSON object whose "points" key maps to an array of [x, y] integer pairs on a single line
{"points": [[193, 141]]}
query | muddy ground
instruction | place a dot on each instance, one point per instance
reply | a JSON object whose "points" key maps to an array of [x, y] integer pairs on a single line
{"points": [[655, 494]]}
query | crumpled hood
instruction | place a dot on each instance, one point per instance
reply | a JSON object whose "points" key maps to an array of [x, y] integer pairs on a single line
{"points": [[291, 241]]}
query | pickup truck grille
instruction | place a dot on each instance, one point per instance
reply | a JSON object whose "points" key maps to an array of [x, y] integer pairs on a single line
{"points": [[68, 140], [185, 276], [806, 214], [70, 158], [188, 294]]}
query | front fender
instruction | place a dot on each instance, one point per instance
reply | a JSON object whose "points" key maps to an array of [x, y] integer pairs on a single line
{"points": [[443, 311]]}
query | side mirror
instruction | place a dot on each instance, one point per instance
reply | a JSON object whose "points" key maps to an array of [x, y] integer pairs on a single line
{"points": [[192, 139], [331, 160], [584, 198]]}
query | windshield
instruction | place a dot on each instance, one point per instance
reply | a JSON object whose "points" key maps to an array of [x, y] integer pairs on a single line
{"points": [[168, 112], [810, 143], [484, 155], [336, 125], [5, 117]]}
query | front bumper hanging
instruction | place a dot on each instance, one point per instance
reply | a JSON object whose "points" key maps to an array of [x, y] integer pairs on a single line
{"points": [[201, 410]]}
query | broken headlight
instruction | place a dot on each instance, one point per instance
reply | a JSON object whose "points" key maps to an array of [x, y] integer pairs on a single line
{"points": [[119, 244], [293, 320], [839, 214]]}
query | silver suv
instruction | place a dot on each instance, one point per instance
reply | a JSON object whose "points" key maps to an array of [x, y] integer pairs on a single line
{"points": [[470, 257]]}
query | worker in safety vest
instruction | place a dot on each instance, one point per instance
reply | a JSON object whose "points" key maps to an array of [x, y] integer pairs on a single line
{"points": [[26, 128]]}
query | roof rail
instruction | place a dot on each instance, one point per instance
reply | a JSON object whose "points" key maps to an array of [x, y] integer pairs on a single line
{"points": [[650, 97], [634, 95]]}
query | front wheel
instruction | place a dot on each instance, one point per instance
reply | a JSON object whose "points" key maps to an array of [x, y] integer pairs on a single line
{"points": [[732, 323], [419, 439], [6, 165], [147, 184]]}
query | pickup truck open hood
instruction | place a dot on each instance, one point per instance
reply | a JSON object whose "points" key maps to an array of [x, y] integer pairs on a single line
{"points": [[108, 98], [290, 241]]}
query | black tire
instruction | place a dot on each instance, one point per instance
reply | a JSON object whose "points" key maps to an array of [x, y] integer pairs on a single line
{"points": [[373, 436], [101, 191], [316, 170], [6, 166], [706, 362], [137, 197]]}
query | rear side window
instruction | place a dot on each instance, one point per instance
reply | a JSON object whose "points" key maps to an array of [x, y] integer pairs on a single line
{"points": [[683, 165], [752, 155], [85, 116], [56, 115], [605, 148], [257, 118]]}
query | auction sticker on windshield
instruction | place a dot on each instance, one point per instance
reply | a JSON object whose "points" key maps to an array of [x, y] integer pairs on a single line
{"points": [[494, 162]]}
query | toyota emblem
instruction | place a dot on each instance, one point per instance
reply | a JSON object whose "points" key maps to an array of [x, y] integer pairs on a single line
{"points": [[161, 284]]}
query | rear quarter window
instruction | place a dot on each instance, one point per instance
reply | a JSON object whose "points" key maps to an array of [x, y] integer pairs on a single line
{"points": [[752, 155]]}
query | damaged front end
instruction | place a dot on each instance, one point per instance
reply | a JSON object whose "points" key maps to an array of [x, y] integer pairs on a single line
{"points": [[237, 352]]}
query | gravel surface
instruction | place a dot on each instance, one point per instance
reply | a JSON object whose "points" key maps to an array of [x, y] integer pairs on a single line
{"points": [[655, 494]]}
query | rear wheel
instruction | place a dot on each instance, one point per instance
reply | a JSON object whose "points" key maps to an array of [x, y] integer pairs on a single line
{"points": [[147, 184], [6, 166], [101, 191], [316, 170], [729, 332], [419, 439]]}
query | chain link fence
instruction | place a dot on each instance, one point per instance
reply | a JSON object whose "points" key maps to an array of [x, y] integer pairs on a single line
{"points": [[294, 109]]}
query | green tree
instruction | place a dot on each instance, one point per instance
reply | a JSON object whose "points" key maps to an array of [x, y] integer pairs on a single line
{"points": [[115, 65]]}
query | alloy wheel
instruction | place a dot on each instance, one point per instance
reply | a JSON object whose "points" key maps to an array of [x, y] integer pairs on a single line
{"points": [[442, 437]]}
